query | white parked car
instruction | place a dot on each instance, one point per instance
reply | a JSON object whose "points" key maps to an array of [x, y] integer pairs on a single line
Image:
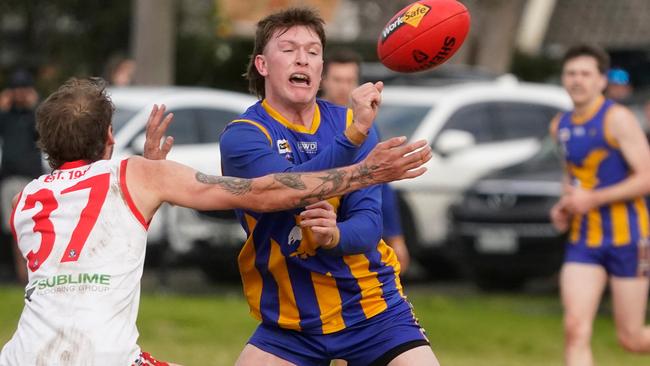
{"points": [[473, 128], [200, 115]]}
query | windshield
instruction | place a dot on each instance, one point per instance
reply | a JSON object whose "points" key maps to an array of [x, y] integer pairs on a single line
{"points": [[549, 154], [121, 116], [399, 120]]}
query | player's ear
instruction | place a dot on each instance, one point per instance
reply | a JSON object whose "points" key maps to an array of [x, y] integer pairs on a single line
{"points": [[110, 140], [260, 65], [603, 82]]}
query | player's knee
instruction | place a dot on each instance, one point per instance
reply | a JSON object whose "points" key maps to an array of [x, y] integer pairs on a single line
{"points": [[630, 340], [576, 330]]}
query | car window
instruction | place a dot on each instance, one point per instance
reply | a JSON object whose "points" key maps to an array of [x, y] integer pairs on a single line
{"points": [[211, 123], [518, 120], [121, 116], [475, 119], [184, 127], [399, 120]]}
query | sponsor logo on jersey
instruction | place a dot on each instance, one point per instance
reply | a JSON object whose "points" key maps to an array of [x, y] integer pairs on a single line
{"points": [[564, 134], [283, 146], [29, 291], [300, 248], [412, 16], [309, 147], [285, 149], [80, 278], [80, 282]]}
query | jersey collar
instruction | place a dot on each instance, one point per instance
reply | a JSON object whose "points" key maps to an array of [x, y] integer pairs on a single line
{"points": [[73, 164], [591, 112], [315, 122]]}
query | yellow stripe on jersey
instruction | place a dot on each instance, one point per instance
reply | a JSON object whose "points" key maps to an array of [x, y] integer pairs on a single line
{"points": [[576, 222], [642, 216], [258, 125], [607, 133], [389, 257], [329, 302], [620, 224], [594, 228], [289, 316], [251, 278], [315, 122], [371, 302], [587, 174]]}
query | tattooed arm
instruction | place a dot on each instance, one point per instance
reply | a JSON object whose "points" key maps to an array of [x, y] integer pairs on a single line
{"points": [[152, 182]]}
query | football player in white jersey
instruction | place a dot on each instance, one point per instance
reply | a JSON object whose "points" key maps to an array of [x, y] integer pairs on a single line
{"points": [[83, 227]]}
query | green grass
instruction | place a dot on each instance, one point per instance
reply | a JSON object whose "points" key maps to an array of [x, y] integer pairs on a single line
{"points": [[465, 330]]}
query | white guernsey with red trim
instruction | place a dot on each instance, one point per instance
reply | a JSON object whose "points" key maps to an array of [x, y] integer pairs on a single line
{"points": [[84, 242]]}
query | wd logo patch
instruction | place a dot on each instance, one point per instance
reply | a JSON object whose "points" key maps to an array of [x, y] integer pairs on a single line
{"points": [[412, 16], [308, 147]]}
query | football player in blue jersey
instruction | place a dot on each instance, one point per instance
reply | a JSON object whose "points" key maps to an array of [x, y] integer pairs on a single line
{"points": [[322, 288], [607, 174]]}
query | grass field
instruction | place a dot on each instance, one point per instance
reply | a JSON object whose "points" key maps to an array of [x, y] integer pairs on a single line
{"points": [[464, 329]]}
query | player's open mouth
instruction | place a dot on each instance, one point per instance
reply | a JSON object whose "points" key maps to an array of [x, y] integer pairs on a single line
{"points": [[300, 79]]}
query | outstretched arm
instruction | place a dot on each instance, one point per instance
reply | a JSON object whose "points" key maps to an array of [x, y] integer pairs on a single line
{"points": [[152, 182]]}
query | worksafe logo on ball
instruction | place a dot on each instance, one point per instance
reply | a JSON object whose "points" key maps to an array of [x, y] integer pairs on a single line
{"points": [[412, 16]]}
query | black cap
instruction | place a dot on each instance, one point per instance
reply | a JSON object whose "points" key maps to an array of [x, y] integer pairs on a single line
{"points": [[21, 78]]}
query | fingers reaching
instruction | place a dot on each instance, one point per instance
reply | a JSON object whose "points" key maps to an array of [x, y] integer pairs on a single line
{"points": [[157, 125]]}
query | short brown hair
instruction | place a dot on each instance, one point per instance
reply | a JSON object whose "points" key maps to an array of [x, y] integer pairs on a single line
{"points": [[341, 56], [601, 57], [282, 21], [73, 122]]}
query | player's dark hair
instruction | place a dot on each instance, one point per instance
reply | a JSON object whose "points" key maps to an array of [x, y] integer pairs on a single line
{"points": [[73, 122], [341, 56], [266, 27], [601, 57]]}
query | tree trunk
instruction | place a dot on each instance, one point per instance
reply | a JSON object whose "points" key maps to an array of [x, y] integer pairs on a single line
{"points": [[154, 46]]}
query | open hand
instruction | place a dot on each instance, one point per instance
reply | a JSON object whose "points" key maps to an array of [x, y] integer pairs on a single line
{"points": [[392, 160], [156, 128]]}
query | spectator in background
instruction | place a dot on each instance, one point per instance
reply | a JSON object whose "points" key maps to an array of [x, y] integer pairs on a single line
{"points": [[619, 88], [21, 159], [340, 76], [120, 71]]}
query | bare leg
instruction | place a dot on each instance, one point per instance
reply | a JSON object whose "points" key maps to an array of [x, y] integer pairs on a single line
{"points": [[418, 356], [253, 356], [630, 299], [581, 287]]}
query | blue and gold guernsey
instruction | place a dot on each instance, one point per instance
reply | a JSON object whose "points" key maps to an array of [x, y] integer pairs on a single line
{"points": [[595, 161], [287, 281]]}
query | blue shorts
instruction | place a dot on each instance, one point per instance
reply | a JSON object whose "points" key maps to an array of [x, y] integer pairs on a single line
{"points": [[632, 260], [375, 341]]}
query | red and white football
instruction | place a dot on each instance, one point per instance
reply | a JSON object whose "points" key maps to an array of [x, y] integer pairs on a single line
{"points": [[423, 35]]}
